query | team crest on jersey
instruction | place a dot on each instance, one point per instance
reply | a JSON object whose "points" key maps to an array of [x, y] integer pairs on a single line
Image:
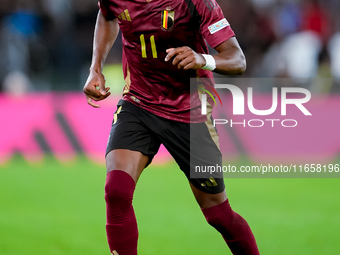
{"points": [[168, 19]]}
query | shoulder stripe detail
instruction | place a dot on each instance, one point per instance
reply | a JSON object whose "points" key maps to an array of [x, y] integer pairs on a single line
{"points": [[211, 5], [206, 3], [194, 14]]}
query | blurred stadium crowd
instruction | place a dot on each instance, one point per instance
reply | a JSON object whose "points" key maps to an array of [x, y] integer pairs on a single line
{"points": [[46, 44]]}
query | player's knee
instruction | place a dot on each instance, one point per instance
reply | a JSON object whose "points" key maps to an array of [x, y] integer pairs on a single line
{"points": [[220, 215], [217, 220], [116, 196], [223, 223], [119, 188]]}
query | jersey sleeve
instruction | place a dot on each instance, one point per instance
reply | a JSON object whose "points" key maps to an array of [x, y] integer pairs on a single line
{"points": [[214, 26], [104, 6]]}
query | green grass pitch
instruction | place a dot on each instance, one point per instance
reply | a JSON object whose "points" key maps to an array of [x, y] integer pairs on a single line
{"points": [[56, 208]]}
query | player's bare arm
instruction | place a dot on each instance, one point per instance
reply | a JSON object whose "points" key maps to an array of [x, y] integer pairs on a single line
{"points": [[230, 59], [104, 36]]}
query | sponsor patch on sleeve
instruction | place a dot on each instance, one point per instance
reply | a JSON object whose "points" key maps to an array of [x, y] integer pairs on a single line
{"points": [[218, 26]]}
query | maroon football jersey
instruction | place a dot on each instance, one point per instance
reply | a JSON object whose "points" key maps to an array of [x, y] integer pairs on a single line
{"points": [[149, 28]]}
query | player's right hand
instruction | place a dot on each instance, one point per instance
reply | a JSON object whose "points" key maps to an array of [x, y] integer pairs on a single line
{"points": [[94, 88]]}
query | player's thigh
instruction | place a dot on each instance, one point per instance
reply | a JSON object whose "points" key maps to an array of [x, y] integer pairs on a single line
{"points": [[131, 162], [131, 145], [195, 149], [207, 187]]}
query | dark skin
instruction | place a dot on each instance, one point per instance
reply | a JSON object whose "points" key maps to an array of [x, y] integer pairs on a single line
{"points": [[230, 60]]}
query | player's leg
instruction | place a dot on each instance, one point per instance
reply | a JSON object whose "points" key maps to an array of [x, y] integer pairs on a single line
{"points": [[131, 162], [206, 200], [197, 145], [209, 191], [234, 229], [124, 168], [130, 149]]}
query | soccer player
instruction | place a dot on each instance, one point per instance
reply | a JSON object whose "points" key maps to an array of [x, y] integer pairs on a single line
{"points": [[164, 45]]}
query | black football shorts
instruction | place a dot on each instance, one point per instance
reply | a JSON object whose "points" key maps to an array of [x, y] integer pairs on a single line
{"points": [[191, 145]]}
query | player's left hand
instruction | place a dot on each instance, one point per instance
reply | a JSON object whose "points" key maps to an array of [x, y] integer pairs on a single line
{"points": [[185, 58]]}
